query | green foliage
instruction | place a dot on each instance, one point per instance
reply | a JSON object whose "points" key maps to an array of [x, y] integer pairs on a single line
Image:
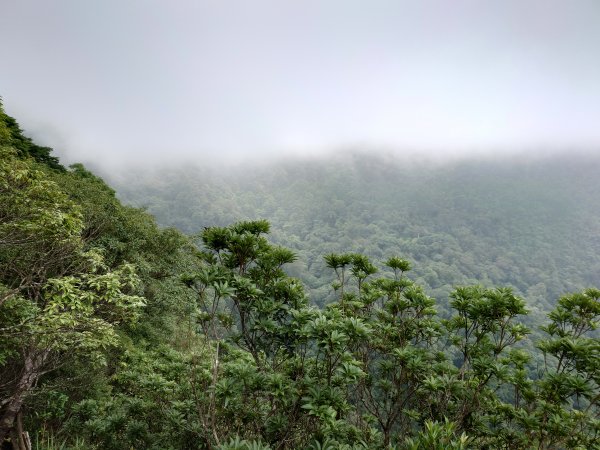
{"points": [[129, 235], [77, 271], [438, 436], [519, 223], [115, 333], [569, 390], [39, 226], [11, 135], [237, 444], [50, 442], [58, 300]]}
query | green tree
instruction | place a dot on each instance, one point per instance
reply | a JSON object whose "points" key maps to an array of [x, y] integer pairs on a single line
{"points": [[483, 331], [568, 404], [11, 135], [56, 298]]}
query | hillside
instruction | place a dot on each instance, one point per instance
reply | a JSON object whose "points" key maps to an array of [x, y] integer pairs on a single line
{"points": [[118, 333], [532, 224]]}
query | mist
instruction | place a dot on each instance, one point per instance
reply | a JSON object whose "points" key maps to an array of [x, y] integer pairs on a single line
{"points": [[149, 82]]}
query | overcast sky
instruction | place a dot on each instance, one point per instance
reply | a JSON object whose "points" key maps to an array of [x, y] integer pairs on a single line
{"points": [[117, 80]]}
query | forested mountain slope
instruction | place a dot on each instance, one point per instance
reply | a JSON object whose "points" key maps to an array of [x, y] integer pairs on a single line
{"points": [[533, 224], [116, 333]]}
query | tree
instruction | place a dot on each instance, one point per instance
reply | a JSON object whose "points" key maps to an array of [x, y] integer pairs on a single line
{"points": [[11, 135], [568, 399], [396, 350], [57, 299], [483, 330]]}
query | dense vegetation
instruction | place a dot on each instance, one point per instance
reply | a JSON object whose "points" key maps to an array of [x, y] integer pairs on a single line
{"points": [[115, 333], [531, 224]]}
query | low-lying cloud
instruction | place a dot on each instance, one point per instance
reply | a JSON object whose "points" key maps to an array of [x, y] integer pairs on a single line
{"points": [[149, 81]]}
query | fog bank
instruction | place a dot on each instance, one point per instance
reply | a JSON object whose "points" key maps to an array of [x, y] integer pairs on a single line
{"points": [[146, 81]]}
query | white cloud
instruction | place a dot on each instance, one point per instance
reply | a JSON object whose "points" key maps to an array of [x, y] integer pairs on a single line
{"points": [[148, 79]]}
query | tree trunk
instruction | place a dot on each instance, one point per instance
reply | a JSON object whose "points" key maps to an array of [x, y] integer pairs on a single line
{"points": [[22, 435], [31, 371]]}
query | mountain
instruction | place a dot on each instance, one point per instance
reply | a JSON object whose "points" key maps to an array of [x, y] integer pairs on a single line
{"points": [[529, 223], [118, 333]]}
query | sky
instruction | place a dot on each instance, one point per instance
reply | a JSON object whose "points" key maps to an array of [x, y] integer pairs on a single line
{"points": [[117, 81]]}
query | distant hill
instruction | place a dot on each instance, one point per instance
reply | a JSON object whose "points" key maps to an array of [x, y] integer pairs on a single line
{"points": [[532, 224]]}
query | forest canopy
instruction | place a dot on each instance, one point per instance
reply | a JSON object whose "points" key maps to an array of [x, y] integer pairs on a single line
{"points": [[529, 223], [116, 333]]}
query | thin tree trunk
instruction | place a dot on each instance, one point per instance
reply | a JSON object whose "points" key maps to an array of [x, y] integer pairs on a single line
{"points": [[27, 440], [14, 440], [386, 436], [31, 371], [20, 433]]}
